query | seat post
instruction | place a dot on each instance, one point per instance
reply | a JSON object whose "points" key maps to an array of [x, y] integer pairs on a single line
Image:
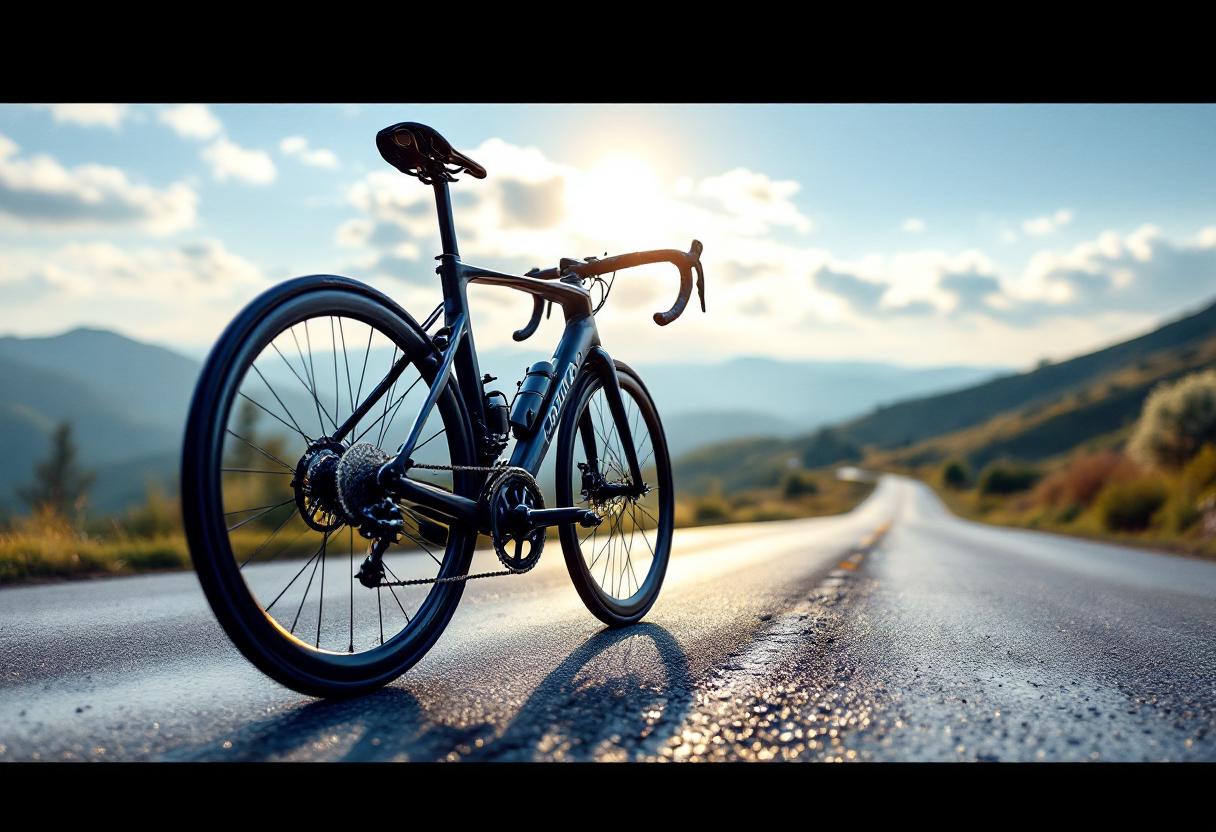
{"points": [[447, 226]]}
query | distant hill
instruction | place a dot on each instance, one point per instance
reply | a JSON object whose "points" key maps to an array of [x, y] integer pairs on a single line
{"points": [[149, 384], [912, 421], [1091, 400], [128, 401]]}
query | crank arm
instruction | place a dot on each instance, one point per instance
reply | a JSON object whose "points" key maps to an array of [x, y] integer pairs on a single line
{"points": [[526, 519]]}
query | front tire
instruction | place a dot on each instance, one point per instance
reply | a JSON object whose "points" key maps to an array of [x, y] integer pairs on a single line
{"points": [[617, 568]]}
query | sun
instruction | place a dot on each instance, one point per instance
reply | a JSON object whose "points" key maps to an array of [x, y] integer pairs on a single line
{"points": [[619, 200]]}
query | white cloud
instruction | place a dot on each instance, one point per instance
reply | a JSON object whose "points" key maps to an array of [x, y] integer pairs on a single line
{"points": [[1048, 223], [37, 192], [915, 306], [191, 121], [90, 115], [913, 225], [755, 198], [185, 294], [297, 146], [231, 160]]}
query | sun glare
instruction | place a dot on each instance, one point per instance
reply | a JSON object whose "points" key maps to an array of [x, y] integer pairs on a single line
{"points": [[619, 199]]}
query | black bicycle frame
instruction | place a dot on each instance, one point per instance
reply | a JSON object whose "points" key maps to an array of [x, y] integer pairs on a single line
{"points": [[579, 344]]}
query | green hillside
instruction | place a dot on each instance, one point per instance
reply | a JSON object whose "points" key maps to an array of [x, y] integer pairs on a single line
{"points": [[920, 419], [1089, 401]]}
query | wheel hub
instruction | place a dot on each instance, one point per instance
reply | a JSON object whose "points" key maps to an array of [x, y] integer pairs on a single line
{"points": [[316, 486]]}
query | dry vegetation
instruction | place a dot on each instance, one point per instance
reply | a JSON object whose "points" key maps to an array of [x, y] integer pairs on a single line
{"points": [[1158, 490], [798, 494]]}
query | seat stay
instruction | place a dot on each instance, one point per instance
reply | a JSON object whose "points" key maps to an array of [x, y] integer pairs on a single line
{"points": [[396, 467]]}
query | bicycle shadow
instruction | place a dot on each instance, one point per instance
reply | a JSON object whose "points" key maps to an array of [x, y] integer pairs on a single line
{"points": [[386, 722], [606, 700]]}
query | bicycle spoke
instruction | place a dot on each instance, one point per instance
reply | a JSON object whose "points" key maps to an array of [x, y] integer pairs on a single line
{"points": [[337, 389], [266, 542], [296, 620], [321, 599], [366, 354], [295, 428], [256, 471], [424, 547], [261, 451], [644, 537], [423, 445], [263, 514], [256, 508], [350, 392], [396, 404], [352, 588], [312, 375], [308, 385], [391, 392], [394, 593], [298, 574]]}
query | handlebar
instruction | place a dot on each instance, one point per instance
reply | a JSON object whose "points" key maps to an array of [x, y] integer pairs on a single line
{"points": [[686, 261]]}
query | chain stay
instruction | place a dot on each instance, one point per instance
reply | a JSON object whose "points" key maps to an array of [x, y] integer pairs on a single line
{"points": [[454, 578]]}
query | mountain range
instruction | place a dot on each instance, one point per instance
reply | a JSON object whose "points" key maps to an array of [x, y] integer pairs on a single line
{"points": [[1090, 401], [127, 402]]}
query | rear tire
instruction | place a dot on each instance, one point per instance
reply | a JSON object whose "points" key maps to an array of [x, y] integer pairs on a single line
{"points": [[331, 638], [617, 568]]}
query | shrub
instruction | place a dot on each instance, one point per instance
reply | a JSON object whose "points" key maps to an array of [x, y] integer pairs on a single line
{"points": [[956, 474], [1176, 421], [711, 509], [1199, 475], [1007, 478], [1084, 477], [1129, 504], [795, 484]]}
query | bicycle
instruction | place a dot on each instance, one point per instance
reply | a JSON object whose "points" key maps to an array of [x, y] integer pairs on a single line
{"points": [[252, 498]]}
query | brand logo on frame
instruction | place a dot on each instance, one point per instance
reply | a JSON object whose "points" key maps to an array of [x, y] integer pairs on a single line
{"points": [[560, 396]]}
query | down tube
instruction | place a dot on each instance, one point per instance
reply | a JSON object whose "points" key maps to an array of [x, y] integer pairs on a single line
{"points": [[578, 339]]}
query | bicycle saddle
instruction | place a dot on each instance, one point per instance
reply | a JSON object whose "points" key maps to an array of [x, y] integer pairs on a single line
{"points": [[420, 151]]}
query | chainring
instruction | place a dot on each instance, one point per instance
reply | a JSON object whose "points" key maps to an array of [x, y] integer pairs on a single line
{"points": [[514, 487]]}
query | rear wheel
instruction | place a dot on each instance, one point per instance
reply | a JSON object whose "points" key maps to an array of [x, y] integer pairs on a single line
{"points": [[618, 567], [273, 547]]}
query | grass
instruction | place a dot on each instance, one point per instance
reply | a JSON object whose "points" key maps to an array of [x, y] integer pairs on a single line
{"points": [[1101, 497], [46, 546], [822, 494]]}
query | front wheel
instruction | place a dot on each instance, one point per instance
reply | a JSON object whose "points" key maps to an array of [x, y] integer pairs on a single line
{"points": [[618, 567]]}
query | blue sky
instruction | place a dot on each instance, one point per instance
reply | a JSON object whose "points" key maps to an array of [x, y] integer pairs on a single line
{"points": [[922, 235]]}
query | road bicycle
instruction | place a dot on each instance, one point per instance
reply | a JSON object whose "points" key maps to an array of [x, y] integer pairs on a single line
{"points": [[285, 467]]}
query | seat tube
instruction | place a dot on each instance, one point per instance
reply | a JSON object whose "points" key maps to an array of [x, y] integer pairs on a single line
{"points": [[447, 226], [455, 304]]}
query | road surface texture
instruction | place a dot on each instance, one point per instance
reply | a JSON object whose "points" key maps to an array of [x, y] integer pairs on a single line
{"points": [[895, 632]]}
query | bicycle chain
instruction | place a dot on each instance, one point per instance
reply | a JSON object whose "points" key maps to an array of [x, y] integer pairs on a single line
{"points": [[455, 578]]}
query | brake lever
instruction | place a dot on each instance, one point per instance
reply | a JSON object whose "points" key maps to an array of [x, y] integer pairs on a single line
{"points": [[694, 254], [538, 306]]}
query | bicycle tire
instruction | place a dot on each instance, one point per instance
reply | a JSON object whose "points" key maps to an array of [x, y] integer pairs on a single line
{"points": [[618, 596], [208, 480]]}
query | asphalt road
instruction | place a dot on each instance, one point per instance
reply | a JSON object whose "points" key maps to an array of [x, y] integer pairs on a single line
{"points": [[896, 632]]}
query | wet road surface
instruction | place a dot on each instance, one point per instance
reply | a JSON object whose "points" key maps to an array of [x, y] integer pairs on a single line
{"points": [[896, 632]]}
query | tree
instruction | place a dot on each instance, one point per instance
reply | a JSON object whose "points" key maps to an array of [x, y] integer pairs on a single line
{"points": [[956, 474], [1177, 420], [59, 482]]}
